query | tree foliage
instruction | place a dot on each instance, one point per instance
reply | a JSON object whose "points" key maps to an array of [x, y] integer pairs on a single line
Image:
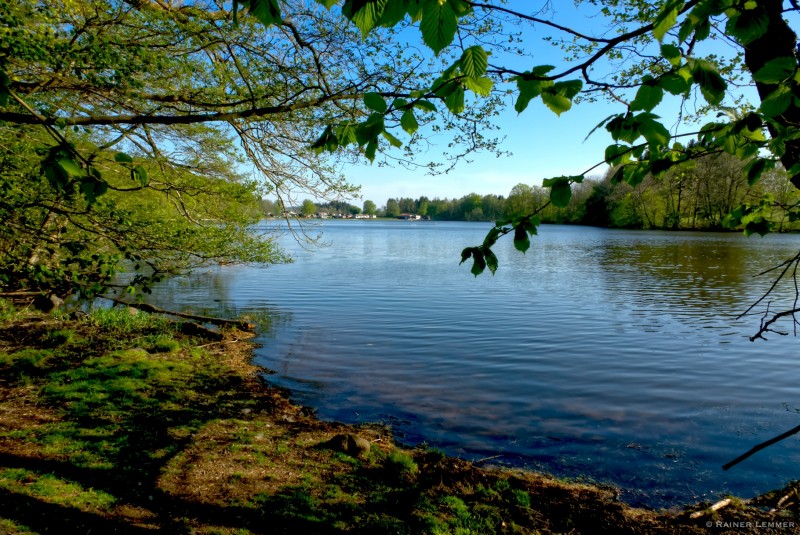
{"points": [[146, 131], [162, 83]]}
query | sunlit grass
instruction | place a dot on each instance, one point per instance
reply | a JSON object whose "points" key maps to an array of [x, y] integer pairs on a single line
{"points": [[51, 489]]}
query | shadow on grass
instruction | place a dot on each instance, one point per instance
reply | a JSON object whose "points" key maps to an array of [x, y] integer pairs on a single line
{"points": [[122, 409]]}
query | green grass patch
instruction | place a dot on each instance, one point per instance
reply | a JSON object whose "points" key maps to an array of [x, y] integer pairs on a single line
{"points": [[164, 343], [9, 312], [58, 337], [400, 465], [51, 489], [9, 527], [120, 320]]}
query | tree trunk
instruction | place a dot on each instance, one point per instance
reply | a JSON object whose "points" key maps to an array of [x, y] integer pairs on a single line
{"points": [[778, 41]]}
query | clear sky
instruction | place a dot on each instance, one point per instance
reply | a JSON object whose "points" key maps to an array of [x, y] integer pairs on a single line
{"points": [[542, 145]]}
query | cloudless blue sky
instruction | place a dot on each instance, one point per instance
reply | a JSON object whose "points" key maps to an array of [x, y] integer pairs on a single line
{"points": [[541, 144]]}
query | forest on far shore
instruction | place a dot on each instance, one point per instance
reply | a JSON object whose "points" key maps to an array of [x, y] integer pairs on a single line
{"points": [[694, 198]]}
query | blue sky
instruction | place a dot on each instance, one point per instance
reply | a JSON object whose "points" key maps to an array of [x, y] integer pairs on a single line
{"points": [[541, 144]]}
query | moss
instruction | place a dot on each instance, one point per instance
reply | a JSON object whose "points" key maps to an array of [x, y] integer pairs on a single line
{"points": [[122, 436]]}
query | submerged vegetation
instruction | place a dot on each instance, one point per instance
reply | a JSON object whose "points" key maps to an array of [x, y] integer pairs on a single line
{"points": [[116, 422]]}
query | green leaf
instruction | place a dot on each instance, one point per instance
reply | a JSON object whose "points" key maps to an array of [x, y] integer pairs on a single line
{"points": [[444, 87], [776, 71], [479, 262], [560, 193], [674, 83], [364, 14], [474, 62], [492, 235], [375, 102], [635, 174], [491, 260], [465, 254], [328, 3], [617, 154], [711, 83], [667, 18], [393, 13], [5, 83], [92, 188], [756, 167], [521, 240], [121, 157], [672, 54], [369, 129], [760, 226], [654, 132], [371, 149], [425, 105], [702, 30], [480, 86], [528, 90], [648, 96], [530, 87], [439, 24], [660, 166], [139, 174], [455, 100], [623, 128], [408, 122], [268, 12], [559, 96], [68, 166], [325, 141], [685, 30], [619, 174], [346, 134], [393, 141], [748, 25], [558, 104], [777, 102]]}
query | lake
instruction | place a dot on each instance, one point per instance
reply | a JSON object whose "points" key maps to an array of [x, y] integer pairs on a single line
{"points": [[610, 355]]}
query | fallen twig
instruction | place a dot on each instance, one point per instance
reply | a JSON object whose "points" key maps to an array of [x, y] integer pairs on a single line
{"points": [[716, 507], [239, 324], [220, 342], [487, 459], [759, 447]]}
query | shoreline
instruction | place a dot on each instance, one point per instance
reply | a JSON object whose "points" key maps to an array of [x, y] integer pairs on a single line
{"points": [[125, 424]]}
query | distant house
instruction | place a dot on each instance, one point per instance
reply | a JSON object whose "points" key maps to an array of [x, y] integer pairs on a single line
{"points": [[409, 217]]}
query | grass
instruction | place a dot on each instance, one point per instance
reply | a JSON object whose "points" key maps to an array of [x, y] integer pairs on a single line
{"points": [[117, 422]]}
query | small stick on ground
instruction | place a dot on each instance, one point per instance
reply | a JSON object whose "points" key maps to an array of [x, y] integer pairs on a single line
{"points": [[487, 459], [716, 507], [239, 324]]}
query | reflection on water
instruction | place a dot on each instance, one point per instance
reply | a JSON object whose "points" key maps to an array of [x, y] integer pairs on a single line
{"points": [[615, 355]]}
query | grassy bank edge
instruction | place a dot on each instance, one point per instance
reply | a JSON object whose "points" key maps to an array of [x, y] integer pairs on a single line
{"points": [[120, 422]]}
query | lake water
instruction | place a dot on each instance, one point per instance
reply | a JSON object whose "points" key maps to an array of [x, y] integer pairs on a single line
{"points": [[611, 355]]}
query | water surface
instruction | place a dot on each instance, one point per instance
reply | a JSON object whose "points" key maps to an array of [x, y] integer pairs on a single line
{"points": [[611, 355]]}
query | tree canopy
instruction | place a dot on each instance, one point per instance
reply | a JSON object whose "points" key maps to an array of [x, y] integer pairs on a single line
{"points": [[157, 89], [142, 134]]}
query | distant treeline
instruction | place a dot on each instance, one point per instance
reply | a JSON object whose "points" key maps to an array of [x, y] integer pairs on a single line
{"points": [[696, 197]]}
